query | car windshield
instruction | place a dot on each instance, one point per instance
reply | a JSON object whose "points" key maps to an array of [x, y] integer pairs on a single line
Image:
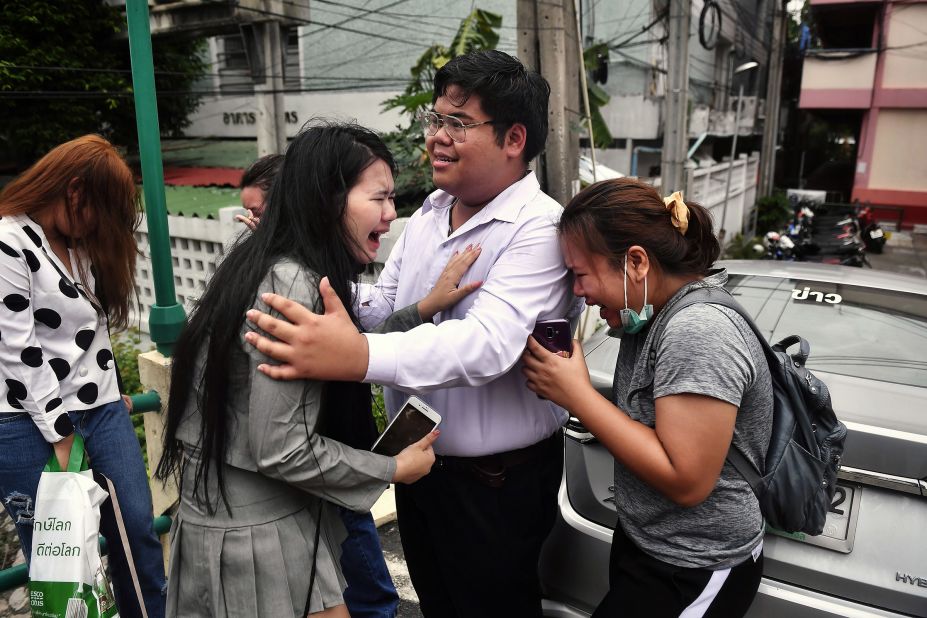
{"points": [[853, 330]]}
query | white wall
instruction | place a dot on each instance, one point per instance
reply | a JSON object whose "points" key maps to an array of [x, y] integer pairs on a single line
{"points": [[236, 115], [706, 185], [633, 116]]}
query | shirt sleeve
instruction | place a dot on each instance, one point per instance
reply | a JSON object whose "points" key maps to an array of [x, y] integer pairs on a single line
{"points": [[375, 302], [400, 321], [283, 415], [489, 340], [703, 352], [32, 385]]}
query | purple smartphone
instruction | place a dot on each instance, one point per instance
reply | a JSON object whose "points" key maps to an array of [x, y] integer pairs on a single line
{"points": [[554, 335]]}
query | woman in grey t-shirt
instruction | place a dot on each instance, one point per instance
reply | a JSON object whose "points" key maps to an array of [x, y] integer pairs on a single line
{"points": [[689, 539]]}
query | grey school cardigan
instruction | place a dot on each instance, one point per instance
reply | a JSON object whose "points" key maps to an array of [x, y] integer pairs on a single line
{"points": [[256, 560]]}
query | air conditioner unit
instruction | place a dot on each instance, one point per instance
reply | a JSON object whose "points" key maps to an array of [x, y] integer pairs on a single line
{"points": [[699, 120], [747, 113], [721, 122]]}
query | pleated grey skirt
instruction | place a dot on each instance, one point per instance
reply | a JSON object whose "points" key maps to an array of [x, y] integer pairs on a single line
{"points": [[255, 561]]}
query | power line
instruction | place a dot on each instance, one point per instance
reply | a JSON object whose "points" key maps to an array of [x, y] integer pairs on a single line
{"points": [[104, 94], [639, 63], [908, 24], [408, 25], [337, 27], [908, 46], [626, 40], [127, 71], [328, 67], [737, 20], [625, 17]]}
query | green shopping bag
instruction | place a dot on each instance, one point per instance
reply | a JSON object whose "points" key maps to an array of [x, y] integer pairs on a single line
{"points": [[66, 577]]}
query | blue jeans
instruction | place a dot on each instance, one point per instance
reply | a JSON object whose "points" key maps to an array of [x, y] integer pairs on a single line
{"points": [[113, 451], [370, 592]]}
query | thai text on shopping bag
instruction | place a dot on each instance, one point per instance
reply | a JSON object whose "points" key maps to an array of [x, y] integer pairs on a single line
{"points": [[66, 576]]}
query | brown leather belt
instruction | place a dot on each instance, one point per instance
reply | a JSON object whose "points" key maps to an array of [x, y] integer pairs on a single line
{"points": [[491, 469]]}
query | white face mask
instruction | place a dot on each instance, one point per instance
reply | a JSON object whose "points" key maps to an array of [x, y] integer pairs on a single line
{"points": [[631, 321]]}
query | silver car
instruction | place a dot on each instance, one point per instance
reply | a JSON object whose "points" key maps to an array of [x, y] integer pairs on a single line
{"points": [[868, 334]]}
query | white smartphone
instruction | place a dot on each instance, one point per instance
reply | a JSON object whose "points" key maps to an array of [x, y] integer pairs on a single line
{"points": [[415, 420]]}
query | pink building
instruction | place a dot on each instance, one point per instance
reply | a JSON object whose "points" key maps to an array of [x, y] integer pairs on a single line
{"points": [[873, 59]]}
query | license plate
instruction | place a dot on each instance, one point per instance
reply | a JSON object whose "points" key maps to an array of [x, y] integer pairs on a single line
{"points": [[837, 523], [840, 526]]}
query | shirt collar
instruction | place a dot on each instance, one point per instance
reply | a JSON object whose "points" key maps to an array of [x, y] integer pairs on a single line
{"points": [[505, 207], [24, 221], [716, 277]]}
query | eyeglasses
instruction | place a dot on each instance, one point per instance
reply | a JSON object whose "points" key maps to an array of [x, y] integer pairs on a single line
{"points": [[456, 130]]}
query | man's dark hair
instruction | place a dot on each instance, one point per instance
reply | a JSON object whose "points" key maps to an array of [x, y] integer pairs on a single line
{"points": [[509, 93], [262, 172]]}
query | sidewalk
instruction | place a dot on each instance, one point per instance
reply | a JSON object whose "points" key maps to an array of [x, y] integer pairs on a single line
{"points": [[384, 511], [384, 514], [905, 253], [13, 603]]}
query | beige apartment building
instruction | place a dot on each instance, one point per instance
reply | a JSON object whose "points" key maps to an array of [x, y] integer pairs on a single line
{"points": [[873, 58]]}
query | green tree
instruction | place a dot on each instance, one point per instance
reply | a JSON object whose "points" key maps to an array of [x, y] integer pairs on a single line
{"points": [[744, 248], [773, 212], [65, 71], [478, 30], [593, 59]]}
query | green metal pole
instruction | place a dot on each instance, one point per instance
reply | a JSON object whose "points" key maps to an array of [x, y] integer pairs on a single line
{"points": [[146, 402], [167, 317], [14, 577]]}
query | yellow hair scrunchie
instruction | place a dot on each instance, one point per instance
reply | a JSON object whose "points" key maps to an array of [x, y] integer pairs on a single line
{"points": [[679, 212]]}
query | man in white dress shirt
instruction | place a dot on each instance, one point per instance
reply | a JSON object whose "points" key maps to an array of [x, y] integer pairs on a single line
{"points": [[472, 529]]}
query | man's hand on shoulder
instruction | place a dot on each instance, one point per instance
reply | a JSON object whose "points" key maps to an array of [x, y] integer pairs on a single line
{"points": [[309, 345]]}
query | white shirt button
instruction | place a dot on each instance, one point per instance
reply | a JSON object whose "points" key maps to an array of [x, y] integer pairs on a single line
{"points": [[83, 372]]}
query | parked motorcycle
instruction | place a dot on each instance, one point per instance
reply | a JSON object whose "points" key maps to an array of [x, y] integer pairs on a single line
{"points": [[832, 236], [873, 235]]}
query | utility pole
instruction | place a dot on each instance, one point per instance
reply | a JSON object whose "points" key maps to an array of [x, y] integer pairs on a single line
{"points": [[548, 43], [675, 131], [773, 101], [266, 58]]}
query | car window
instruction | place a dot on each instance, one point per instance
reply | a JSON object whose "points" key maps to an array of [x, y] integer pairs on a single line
{"points": [[853, 330]]}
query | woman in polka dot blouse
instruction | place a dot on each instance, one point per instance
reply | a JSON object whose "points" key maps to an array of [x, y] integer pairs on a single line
{"points": [[67, 261]]}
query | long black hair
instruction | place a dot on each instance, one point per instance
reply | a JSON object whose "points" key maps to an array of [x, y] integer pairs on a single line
{"points": [[305, 222], [261, 173]]}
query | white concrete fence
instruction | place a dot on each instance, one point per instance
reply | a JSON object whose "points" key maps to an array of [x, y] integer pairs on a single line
{"points": [[706, 185]]}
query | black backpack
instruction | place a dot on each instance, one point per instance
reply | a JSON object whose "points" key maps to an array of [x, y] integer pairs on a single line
{"points": [[798, 485]]}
